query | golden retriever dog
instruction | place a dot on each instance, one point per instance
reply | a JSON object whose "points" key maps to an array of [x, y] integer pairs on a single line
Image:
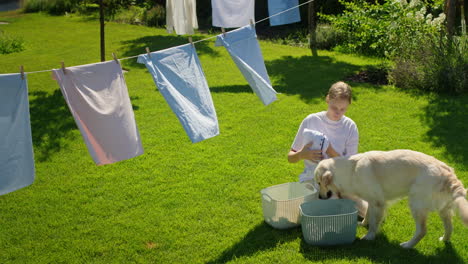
{"points": [[379, 177]]}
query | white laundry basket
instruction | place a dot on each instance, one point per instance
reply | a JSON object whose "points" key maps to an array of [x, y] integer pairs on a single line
{"points": [[280, 203]]}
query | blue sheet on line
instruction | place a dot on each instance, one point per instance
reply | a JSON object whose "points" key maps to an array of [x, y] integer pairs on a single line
{"points": [[242, 45], [16, 151], [179, 77], [288, 17]]}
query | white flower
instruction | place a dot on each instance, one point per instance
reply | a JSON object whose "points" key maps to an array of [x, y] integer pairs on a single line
{"points": [[414, 3]]}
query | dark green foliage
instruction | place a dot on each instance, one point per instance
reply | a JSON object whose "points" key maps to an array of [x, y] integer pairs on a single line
{"points": [[55, 7], [327, 36], [155, 17]]}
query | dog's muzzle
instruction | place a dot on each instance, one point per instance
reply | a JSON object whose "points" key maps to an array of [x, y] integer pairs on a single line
{"points": [[329, 194]]}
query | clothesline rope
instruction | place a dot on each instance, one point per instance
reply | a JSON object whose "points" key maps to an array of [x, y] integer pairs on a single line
{"points": [[256, 22]]}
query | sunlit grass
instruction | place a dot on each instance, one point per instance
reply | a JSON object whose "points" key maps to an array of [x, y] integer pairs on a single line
{"points": [[196, 203]]}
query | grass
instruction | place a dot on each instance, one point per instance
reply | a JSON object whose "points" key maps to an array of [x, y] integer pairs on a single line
{"points": [[200, 203]]}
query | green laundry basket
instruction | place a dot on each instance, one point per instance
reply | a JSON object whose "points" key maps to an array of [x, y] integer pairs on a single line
{"points": [[329, 222]]}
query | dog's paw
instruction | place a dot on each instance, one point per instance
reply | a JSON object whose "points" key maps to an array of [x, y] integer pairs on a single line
{"points": [[406, 244], [444, 239], [369, 236]]}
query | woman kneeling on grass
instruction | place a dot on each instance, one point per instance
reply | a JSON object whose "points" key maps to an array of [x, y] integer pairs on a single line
{"points": [[337, 135]]}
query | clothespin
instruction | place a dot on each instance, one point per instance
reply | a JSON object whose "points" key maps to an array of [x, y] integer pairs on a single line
{"points": [[148, 51], [224, 31], [252, 24], [115, 58], [63, 67], [190, 40], [22, 72]]}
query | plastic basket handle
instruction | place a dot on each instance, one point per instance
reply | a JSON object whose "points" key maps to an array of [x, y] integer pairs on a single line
{"points": [[267, 197]]}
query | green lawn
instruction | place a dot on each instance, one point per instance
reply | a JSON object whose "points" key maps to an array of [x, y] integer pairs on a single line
{"points": [[200, 203]]}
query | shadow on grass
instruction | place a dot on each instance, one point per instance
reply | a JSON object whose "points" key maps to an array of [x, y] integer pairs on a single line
{"points": [[310, 77], [51, 122], [263, 238], [158, 42], [378, 251], [446, 117], [232, 89], [260, 238]]}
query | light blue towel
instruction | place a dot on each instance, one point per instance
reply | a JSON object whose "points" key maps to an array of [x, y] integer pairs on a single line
{"points": [[291, 16], [16, 151], [242, 45], [180, 79]]}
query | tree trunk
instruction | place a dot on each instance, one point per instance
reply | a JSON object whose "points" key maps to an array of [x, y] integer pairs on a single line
{"points": [[464, 17], [312, 28], [101, 20], [450, 12]]}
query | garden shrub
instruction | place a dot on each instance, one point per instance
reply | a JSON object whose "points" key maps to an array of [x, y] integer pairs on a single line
{"points": [[440, 64], [378, 29], [411, 35], [55, 7], [131, 15], [9, 44], [424, 57], [155, 17], [363, 27], [327, 36]]}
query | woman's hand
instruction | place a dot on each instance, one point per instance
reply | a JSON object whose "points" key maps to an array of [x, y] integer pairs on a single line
{"points": [[313, 155], [331, 152], [305, 154]]}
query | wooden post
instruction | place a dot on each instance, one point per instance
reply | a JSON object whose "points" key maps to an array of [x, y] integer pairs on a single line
{"points": [[101, 20], [312, 28]]}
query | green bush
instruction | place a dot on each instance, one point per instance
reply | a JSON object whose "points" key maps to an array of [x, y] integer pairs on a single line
{"points": [[327, 36], [155, 17], [440, 65], [363, 27], [132, 15], [378, 29], [9, 44], [424, 57], [55, 7]]}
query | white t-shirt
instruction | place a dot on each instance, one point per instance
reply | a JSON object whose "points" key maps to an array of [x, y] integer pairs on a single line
{"points": [[342, 134]]}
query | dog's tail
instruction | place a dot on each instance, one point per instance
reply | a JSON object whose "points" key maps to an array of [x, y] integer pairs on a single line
{"points": [[462, 205], [458, 193]]}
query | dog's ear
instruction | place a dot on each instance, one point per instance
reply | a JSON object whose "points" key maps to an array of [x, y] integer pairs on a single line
{"points": [[327, 178]]}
